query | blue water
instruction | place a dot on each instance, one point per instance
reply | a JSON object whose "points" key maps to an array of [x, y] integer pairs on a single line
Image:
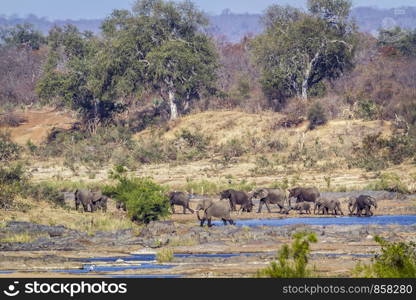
{"points": [[93, 268], [344, 221], [152, 257]]}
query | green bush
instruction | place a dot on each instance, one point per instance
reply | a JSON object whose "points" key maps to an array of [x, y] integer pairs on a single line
{"points": [[13, 178], [291, 261], [367, 110], [390, 182], [145, 200], [377, 152], [8, 149], [397, 260], [316, 116]]}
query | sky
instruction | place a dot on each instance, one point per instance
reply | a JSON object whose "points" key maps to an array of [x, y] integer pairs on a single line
{"points": [[97, 9]]}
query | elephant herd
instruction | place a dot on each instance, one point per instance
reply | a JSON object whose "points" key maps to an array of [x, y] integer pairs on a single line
{"points": [[92, 201], [305, 198]]}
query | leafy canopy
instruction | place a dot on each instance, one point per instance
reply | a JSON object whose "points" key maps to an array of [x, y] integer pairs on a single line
{"points": [[300, 49]]}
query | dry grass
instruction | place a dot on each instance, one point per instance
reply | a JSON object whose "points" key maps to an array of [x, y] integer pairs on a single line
{"points": [[21, 238], [45, 214]]}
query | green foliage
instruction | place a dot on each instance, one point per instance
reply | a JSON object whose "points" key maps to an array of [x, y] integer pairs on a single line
{"points": [[389, 182], [298, 50], [23, 35], [8, 149], [13, 179], [400, 39], [145, 200], [367, 110], [397, 260], [377, 152], [316, 116], [291, 261]]}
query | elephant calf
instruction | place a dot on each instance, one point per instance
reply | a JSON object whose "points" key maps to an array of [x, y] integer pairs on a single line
{"points": [[180, 198], [121, 205], [325, 206], [303, 206], [218, 209]]}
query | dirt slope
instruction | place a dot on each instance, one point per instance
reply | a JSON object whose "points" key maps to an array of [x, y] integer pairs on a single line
{"points": [[38, 124]]}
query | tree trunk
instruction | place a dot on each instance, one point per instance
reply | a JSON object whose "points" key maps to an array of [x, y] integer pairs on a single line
{"points": [[173, 105], [305, 90]]}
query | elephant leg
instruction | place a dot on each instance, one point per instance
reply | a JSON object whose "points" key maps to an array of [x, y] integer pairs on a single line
{"points": [[260, 207], [224, 221], [231, 222], [209, 222], [268, 208], [190, 209], [202, 222], [184, 210], [76, 205], [172, 206]]}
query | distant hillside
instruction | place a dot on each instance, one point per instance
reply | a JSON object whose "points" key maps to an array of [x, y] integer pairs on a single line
{"points": [[235, 26]]}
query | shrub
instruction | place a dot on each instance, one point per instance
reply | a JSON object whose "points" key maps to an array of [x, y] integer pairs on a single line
{"points": [[316, 116], [145, 200], [291, 261], [8, 149], [12, 180], [389, 182], [397, 260], [367, 110], [231, 149], [377, 152], [164, 255]]}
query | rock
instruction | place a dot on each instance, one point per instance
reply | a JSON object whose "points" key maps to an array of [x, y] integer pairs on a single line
{"points": [[369, 237]]}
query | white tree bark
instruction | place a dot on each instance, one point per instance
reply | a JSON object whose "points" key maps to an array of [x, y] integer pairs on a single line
{"points": [[172, 104]]}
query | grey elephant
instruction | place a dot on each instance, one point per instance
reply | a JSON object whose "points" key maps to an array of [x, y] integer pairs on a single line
{"points": [[85, 198], [350, 203], [304, 194], [218, 209], [180, 198], [333, 206], [364, 203], [99, 201], [120, 205], [270, 196], [303, 206], [238, 198]]}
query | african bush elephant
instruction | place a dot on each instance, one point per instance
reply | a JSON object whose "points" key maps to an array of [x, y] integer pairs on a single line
{"points": [[218, 209], [85, 198], [121, 205], [99, 201], [333, 205], [238, 197], [180, 198], [364, 202], [270, 196], [304, 194], [303, 206]]}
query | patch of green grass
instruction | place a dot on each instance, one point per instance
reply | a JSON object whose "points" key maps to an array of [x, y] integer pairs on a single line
{"points": [[164, 255]]}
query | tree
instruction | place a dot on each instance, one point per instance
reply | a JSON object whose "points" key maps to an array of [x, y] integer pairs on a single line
{"points": [[399, 39], [300, 49], [76, 72], [23, 35], [164, 50]]}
